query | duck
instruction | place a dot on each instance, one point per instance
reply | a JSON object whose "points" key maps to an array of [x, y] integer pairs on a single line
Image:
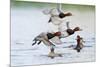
{"points": [[79, 45], [66, 33], [52, 38], [56, 16]]}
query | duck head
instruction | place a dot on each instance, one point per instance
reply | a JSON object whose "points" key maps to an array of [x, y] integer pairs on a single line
{"points": [[77, 29]]}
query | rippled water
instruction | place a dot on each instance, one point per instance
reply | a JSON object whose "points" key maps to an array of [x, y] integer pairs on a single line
{"points": [[25, 54]]}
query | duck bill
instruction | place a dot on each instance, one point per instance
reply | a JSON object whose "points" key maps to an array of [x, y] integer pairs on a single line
{"points": [[68, 14]]}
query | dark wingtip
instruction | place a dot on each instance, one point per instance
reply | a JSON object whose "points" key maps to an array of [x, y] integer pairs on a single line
{"points": [[49, 20], [33, 44]]}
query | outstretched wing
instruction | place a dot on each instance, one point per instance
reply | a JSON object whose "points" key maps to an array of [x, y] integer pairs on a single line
{"points": [[59, 7], [56, 40]]}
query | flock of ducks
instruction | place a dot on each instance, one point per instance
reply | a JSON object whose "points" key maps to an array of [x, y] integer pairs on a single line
{"points": [[49, 38]]}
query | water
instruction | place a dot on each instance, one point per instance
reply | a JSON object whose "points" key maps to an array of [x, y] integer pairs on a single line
{"points": [[25, 54]]}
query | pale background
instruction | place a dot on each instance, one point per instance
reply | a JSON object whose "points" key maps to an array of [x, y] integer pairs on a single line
{"points": [[27, 21], [4, 37]]}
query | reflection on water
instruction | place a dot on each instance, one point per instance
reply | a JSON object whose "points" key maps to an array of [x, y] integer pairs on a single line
{"points": [[33, 55]]}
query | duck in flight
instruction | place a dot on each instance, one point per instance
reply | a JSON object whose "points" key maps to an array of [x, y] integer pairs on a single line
{"points": [[50, 38]]}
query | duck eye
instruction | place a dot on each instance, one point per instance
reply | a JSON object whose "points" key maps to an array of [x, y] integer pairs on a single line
{"points": [[61, 15]]}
